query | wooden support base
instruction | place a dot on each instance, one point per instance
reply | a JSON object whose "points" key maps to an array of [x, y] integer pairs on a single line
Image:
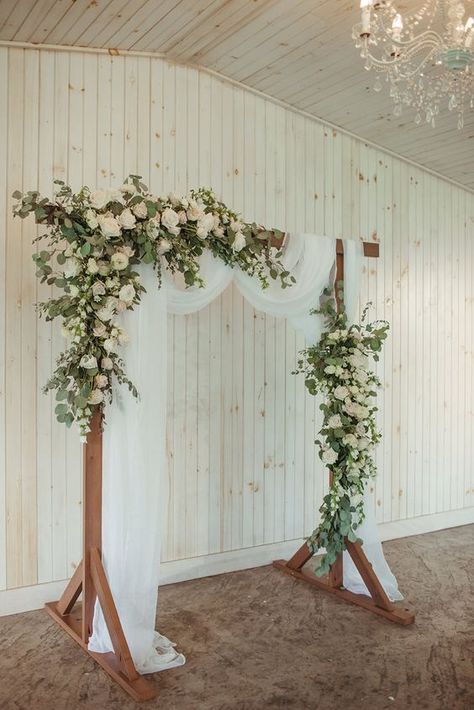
{"points": [[90, 582], [139, 688], [378, 603], [399, 615]]}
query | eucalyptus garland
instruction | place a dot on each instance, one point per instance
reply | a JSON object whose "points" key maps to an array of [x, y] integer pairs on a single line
{"points": [[93, 243], [339, 368]]}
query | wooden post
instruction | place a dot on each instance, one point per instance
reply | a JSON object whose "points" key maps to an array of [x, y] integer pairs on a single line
{"points": [[92, 524], [378, 603], [90, 580]]}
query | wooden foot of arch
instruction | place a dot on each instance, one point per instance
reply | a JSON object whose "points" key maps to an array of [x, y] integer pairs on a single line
{"points": [[90, 581], [378, 603]]}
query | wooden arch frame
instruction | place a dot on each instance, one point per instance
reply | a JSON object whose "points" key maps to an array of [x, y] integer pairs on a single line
{"points": [[90, 579]]}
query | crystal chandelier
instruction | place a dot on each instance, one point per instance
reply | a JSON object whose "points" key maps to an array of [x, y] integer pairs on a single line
{"points": [[426, 55]]}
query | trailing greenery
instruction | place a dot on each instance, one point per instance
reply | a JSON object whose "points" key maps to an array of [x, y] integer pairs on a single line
{"points": [[339, 368], [93, 243]]}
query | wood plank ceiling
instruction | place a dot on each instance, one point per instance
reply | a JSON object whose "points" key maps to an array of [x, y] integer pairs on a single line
{"points": [[298, 51]]}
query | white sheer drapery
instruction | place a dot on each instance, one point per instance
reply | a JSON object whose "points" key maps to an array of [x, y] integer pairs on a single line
{"points": [[134, 467], [134, 487]]}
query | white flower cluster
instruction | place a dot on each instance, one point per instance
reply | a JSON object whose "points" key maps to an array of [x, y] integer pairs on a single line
{"points": [[350, 385], [97, 238], [339, 367]]}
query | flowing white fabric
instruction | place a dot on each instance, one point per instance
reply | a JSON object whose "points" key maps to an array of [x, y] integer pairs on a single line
{"points": [[134, 487], [134, 461], [368, 530]]}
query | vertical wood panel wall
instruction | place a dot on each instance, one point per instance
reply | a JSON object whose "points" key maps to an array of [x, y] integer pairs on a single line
{"points": [[243, 470]]}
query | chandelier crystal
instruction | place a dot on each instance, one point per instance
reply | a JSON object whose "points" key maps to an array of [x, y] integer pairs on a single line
{"points": [[426, 55]]}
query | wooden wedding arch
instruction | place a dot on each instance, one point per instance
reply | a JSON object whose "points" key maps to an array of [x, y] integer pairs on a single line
{"points": [[90, 580]]}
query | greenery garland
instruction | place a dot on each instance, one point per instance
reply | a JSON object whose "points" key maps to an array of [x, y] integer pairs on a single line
{"points": [[338, 366], [93, 243]]}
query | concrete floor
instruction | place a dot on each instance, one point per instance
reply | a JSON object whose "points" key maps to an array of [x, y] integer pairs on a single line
{"points": [[258, 639]]}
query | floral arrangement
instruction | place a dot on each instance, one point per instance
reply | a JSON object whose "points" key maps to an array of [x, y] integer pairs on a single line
{"points": [[339, 368], [93, 243]]}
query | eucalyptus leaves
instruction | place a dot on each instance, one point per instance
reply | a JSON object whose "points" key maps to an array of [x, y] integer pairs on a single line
{"points": [[339, 367], [93, 243]]}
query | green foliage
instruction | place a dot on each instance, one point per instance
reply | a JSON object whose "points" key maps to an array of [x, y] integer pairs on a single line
{"points": [[338, 367]]}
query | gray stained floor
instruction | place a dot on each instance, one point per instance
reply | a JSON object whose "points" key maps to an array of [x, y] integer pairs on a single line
{"points": [[258, 639]]}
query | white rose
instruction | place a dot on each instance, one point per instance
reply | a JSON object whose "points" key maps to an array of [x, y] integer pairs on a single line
{"points": [[127, 293], [341, 392], [72, 267], [73, 291], [357, 360], [110, 345], [123, 336], [92, 266], [104, 268], [205, 224], [218, 231], [334, 335], [127, 189], [127, 250], [91, 219], [121, 306], [106, 363], [239, 242], [330, 370], [236, 226], [356, 500], [108, 226], [88, 362], [362, 444], [169, 218], [335, 422], [127, 219], [140, 210], [174, 198], [182, 216], [105, 314], [329, 456], [350, 440], [99, 199], [194, 212], [98, 288], [96, 397], [163, 246], [119, 261], [360, 428], [99, 330], [101, 381]]}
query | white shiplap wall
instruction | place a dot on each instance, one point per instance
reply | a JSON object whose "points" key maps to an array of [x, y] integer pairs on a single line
{"points": [[243, 470]]}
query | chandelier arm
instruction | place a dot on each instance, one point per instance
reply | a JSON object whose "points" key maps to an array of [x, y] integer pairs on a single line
{"points": [[427, 34]]}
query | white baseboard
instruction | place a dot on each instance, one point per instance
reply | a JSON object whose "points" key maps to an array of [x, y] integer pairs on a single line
{"points": [[14, 601]]}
